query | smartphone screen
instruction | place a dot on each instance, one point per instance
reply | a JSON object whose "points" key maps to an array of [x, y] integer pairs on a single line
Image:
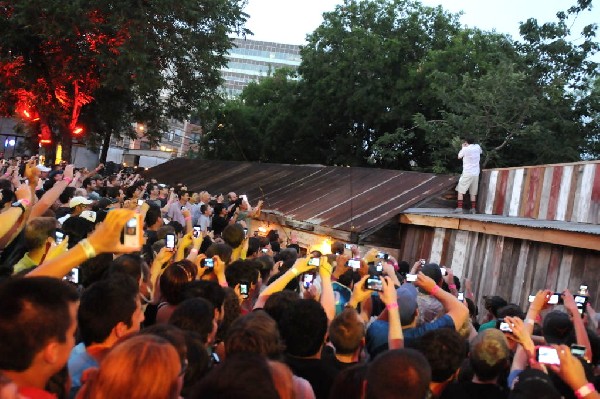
{"points": [[307, 280], [503, 326], [578, 350], [444, 271], [547, 355], [354, 263], [132, 232], [348, 246], [531, 298], [244, 290], [140, 202], [170, 239], [73, 276], [58, 237], [413, 277], [196, 231], [208, 262], [265, 250], [314, 262], [382, 255], [379, 267], [554, 299], [245, 233], [374, 283], [583, 289], [461, 296]]}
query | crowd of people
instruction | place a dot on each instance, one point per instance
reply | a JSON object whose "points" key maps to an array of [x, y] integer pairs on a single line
{"points": [[116, 286]]}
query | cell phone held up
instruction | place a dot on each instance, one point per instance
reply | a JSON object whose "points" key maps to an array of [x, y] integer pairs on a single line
{"points": [[133, 233], [244, 289], [170, 242], [207, 262], [374, 283]]}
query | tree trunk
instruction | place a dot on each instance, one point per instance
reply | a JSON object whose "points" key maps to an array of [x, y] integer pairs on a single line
{"points": [[67, 144], [105, 145]]}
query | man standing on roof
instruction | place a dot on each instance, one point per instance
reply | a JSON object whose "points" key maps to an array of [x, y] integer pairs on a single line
{"points": [[470, 153]]}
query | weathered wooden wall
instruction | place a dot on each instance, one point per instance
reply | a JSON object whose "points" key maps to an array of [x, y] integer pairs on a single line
{"points": [[566, 192], [496, 265]]}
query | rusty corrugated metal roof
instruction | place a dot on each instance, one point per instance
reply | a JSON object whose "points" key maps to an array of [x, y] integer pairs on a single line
{"points": [[341, 198]]}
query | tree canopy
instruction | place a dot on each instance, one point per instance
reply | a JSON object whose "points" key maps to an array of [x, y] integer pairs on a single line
{"points": [[111, 62], [393, 83]]}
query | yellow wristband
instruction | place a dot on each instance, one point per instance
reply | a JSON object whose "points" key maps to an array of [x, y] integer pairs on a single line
{"points": [[295, 271], [88, 249]]}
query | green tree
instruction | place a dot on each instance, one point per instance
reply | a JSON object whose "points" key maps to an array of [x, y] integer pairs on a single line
{"points": [[155, 59]]}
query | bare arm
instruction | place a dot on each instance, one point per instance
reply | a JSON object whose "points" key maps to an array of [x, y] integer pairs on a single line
{"points": [[453, 307], [327, 296]]}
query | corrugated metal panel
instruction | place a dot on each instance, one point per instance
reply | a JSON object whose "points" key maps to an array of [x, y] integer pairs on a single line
{"points": [[562, 192], [347, 199]]}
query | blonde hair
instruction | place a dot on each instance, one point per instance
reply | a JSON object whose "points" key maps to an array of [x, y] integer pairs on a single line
{"points": [[141, 367]]}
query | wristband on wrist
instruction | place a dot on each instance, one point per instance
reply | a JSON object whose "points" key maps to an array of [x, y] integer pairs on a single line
{"points": [[295, 271], [68, 180], [224, 284], [391, 306], [24, 201], [452, 286], [585, 390], [529, 321], [88, 249], [435, 289], [194, 250], [188, 218]]}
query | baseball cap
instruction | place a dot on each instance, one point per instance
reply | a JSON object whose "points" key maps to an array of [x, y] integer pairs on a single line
{"points": [[79, 201], [43, 168], [407, 302], [533, 383], [557, 327]]}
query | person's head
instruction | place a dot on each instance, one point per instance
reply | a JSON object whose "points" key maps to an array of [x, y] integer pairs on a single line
{"points": [[162, 232], [241, 271], [398, 374], [233, 235], [39, 232], [557, 328], [469, 140], [433, 271], [151, 359], [232, 197], [206, 210], [493, 304], [38, 320], [153, 217], [209, 290], [198, 316], [223, 251], [79, 204], [407, 302], [241, 376], [184, 197], [347, 332], [153, 190], [110, 309], [337, 247], [534, 384], [255, 332], [172, 281], [303, 328], [349, 382], [489, 354], [89, 184], [220, 210], [66, 195], [512, 310], [278, 304], [445, 351]]}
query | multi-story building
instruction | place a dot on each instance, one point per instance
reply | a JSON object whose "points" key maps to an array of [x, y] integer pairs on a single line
{"points": [[251, 60]]}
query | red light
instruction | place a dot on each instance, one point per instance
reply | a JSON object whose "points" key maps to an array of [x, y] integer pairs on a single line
{"points": [[26, 113], [77, 130], [45, 141]]}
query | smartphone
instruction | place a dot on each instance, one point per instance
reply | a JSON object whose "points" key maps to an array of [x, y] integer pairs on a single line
{"points": [[503, 326], [348, 246], [265, 250], [422, 262], [196, 232], [314, 262], [382, 255], [165, 221], [140, 202], [183, 207], [461, 296], [379, 267], [444, 271], [170, 239], [59, 236], [208, 262], [555, 299], [578, 350], [73, 276], [547, 355], [374, 283], [132, 233], [245, 232], [411, 278], [581, 302], [244, 288], [531, 298], [354, 263], [307, 280], [583, 289]]}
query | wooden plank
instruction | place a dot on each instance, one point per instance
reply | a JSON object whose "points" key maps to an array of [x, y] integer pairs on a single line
{"points": [[553, 265], [525, 204], [431, 221], [568, 238], [575, 193], [508, 192], [541, 268], [437, 246], [582, 209], [501, 192], [537, 197], [448, 234], [459, 256], [515, 200], [518, 292], [564, 272], [554, 190], [564, 193], [491, 193], [545, 197], [506, 268], [484, 181], [427, 242]]}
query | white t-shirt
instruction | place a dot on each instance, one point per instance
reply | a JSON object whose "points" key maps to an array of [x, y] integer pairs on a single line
{"points": [[470, 156]]}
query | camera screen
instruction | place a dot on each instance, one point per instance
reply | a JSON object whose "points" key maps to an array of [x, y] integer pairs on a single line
{"points": [[578, 350], [354, 263], [244, 289], [59, 237], [140, 202], [314, 261], [209, 262], [131, 227], [379, 267], [504, 327], [307, 280], [170, 241], [374, 283], [580, 299], [196, 231], [73, 276], [461, 296], [265, 250], [548, 355], [531, 298], [553, 299], [444, 271], [348, 246], [411, 277]]}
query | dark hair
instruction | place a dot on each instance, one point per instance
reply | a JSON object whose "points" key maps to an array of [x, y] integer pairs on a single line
{"points": [[469, 140], [176, 225], [265, 266], [34, 311], [195, 315], [337, 247], [162, 232], [241, 376], [105, 304], [398, 374], [494, 303], [152, 215], [37, 231], [224, 252], [303, 328], [253, 246], [169, 332], [348, 384], [278, 304], [445, 350], [209, 290], [172, 281], [113, 192], [66, 195], [255, 332], [218, 209], [129, 264], [203, 208], [240, 271], [346, 332], [87, 182], [232, 310], [511, 309], [233, 235]]}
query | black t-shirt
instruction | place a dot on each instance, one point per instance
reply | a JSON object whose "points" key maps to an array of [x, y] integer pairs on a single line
{"points": [[218, 224], [328, 357], [319, 374], [471, 390]]}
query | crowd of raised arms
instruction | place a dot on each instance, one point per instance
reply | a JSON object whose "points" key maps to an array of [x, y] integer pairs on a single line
{"points": [[118, 287]]}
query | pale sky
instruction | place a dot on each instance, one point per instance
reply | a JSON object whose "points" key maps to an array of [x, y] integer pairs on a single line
{"points": [[289, 21]]}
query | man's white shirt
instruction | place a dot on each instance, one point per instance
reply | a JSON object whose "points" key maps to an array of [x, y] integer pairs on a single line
{"points": [[470, 155]]}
